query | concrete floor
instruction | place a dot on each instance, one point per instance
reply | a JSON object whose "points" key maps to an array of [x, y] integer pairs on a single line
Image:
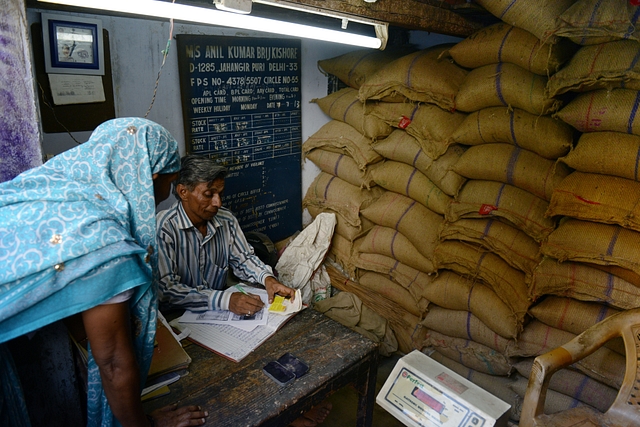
{"points": [[345, 401]]}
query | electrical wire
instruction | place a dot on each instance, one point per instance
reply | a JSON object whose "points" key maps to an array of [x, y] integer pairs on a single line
{"points": [[165, 53]]}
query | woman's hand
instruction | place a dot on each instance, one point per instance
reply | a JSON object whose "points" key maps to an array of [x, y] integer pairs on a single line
{"points": [[172, 416]]}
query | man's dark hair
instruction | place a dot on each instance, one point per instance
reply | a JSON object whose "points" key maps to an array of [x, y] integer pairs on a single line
{"points": [[196, 169]]}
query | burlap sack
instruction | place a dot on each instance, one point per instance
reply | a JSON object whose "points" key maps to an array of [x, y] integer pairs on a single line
{"points": [[549, 137], [389, 242], [342, 251], [582, 282], [573, 383], [599, 198], [347, 308], [606, 153], [463, 324], [469, 353], [507, 85], [402, 322], [332, 193], [505, 43], [554, 402], [411, 279], [417, 223], [387, 288], [537, 17], [342, 166], [593, 21], [454, 292], [422, 76], [341, 138], [430, 125], [496, 385], [594, 242], [353, 68], [574, 316], [402, 147], [484, 199], [603, 110], [514, 166], [409, 181], [603, 365], [343, 227], [474, 262], [603, 66], [509, 243], [345, 106]]}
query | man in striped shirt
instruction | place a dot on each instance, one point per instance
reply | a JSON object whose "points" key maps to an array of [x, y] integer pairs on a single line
{"points": [[199, 241]]}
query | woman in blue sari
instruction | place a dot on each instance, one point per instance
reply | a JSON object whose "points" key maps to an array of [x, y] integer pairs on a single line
{"points": [[78, 236]]}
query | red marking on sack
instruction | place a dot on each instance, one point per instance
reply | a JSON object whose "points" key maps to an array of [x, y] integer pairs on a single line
{"points": [[487, 209], [406, 121], [582, 199]]}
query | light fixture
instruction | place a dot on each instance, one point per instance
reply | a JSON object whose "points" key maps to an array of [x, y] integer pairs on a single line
{"points": [[237, 6], [183, 12]]}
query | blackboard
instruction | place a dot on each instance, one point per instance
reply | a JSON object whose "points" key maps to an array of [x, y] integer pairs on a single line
{"points": [[241, 106]]}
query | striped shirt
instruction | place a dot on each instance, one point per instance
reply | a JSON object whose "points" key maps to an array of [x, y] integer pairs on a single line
{"points": [[193, 268]]}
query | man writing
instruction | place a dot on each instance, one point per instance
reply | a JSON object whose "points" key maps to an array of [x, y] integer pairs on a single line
{"points": [[199, 241]]}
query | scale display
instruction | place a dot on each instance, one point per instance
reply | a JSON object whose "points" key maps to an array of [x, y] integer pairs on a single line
{"points": [[241, 107]]}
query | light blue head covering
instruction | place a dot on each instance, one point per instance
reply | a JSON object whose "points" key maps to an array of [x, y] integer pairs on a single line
{"points": [[79, 230]]}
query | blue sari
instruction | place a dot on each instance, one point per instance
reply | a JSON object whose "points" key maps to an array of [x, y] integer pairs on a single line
{"points": [[79, 230]]}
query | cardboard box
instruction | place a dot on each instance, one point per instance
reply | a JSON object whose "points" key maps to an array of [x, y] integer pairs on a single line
{"points": [[422, 392]]}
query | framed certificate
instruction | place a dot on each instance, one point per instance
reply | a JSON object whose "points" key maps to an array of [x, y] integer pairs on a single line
{"points": [[72, 45]]}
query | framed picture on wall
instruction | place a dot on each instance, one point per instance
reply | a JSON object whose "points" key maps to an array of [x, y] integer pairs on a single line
{"points": [[72, 45]]}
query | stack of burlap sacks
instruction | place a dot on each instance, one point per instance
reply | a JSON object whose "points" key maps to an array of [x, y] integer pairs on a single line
{"points": [[489, 208]]}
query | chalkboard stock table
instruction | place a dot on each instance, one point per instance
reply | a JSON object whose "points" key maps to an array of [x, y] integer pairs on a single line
{"points": [[239, 394]]}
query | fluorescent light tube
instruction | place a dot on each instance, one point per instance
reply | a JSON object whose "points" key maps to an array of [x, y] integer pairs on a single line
{"points": [[181, 12]]}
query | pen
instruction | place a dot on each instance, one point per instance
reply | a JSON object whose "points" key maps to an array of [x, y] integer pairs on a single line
{"points": [[241, 289]]}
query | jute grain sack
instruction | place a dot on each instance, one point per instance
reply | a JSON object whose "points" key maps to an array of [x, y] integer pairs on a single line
{"points": [[599, 198], [606, 153], [571, 382], [582, 282], [409, 181], [402, 322], [417, 223], [422, 76], [342, 138], [341, 251], [469, 353], [353, 68], [496, 385], [502, 42], [575, 316], [345, 106], [509, 243], [537, 17], [593, 21], [387, 241], [507, 85], [411, 279], [486, 199], [463, 324], [603, 365], [332, 193], [512, 165], [343, 227], [454, 292], [549, 137], [555, 401], [430, 125], [340, 165], [471, 261], [387, 288], [603, 110], [594, 242], [402, 147], [349, 310], [603, 66]]}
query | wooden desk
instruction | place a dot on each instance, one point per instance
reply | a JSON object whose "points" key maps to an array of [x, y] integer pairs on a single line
{"points": [[240, 394]]}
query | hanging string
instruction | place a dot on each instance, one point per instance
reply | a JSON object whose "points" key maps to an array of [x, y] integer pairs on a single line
{"points": [[165, 52]]}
